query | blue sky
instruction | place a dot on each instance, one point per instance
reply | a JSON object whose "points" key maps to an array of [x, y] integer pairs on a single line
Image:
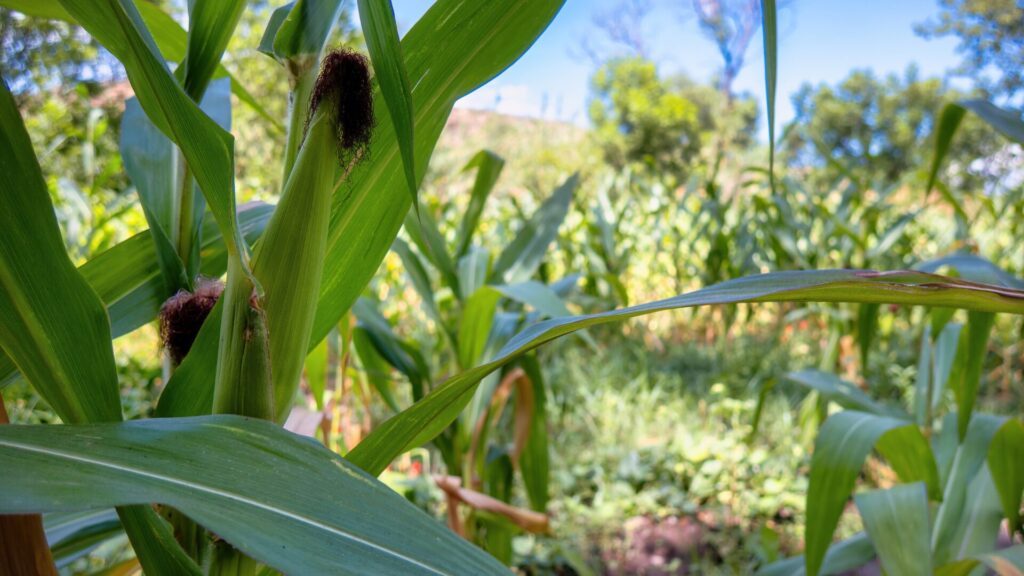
{"points": [[821, 41]]}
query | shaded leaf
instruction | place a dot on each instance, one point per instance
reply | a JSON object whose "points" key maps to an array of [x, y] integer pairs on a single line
{"points": [[897, 522], [253, 484]]}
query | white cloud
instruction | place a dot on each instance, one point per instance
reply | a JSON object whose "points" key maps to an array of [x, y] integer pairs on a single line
{"points": [[511, 99]]}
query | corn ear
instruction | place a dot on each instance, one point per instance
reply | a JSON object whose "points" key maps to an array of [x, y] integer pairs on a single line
{"points": [[243, 385], [289, 259]]}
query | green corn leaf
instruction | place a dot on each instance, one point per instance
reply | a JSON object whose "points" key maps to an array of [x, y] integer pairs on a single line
{"points": [[843, 443], [304, 31], [61, 525], [953, 515], [152, 540], [965, 378], [315, 370], [377, 18], [210, 25], [473, 269], [260, 488], [475, 325], [771, 56], [935, 364], [949, 121], [453, 49], [538, 296], [979, 529], [842, 557], [1006, 462], [488, 167], [127, 277], [423, 231], [80, 533], [1005, 562], [427, 418], [419, 278], [521, 258], [867, 327], [843, 393], [401, 356], [375, 365], [897, 522], [52, 324], [972, 267], [151, 161], [535, 459], [208, 148]]}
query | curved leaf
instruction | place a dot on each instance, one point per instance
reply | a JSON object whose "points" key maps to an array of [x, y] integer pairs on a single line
{"points": [[207, 147], [127, 277], [842, 557], [843, 444], [278, 497], [426, 419], [452, 50], [521, 258], [965, 378], [488, 168], [897, 522], [771, 55], [1006, 462], [377, 18], [52, 324], [958, 496], [843, 393]]}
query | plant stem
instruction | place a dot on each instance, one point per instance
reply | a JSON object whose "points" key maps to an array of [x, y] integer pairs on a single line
{"points": [[23, 546]]}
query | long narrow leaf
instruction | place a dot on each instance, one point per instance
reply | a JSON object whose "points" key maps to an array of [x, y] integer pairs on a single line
{"points": [[897, 522], [128, 279], [488, 167], [276, 496], [52, 324], [967, 368], [377, 18], [843, 444], [210, 25], [1006, 462], [427, 418], [208, 148], [521, 258], [771, 41], [453, 49]]}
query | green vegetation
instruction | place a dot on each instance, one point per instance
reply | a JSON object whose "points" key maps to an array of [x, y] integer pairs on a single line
{"points": [[435, 350]]}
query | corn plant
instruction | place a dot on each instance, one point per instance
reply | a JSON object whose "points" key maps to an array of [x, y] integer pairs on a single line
{"points": [[476, 302], [236, 493]]}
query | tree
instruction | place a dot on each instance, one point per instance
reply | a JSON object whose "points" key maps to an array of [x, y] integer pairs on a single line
{"points": [[660, 123], [878, 130], [991, 34]]}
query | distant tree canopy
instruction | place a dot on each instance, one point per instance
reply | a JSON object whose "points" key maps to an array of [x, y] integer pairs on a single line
{"points": [[36, 53], [661, 124], [991, 34], [879, 129]]}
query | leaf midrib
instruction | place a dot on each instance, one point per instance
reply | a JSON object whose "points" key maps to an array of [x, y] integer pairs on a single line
{"points": [[222, 494]]}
